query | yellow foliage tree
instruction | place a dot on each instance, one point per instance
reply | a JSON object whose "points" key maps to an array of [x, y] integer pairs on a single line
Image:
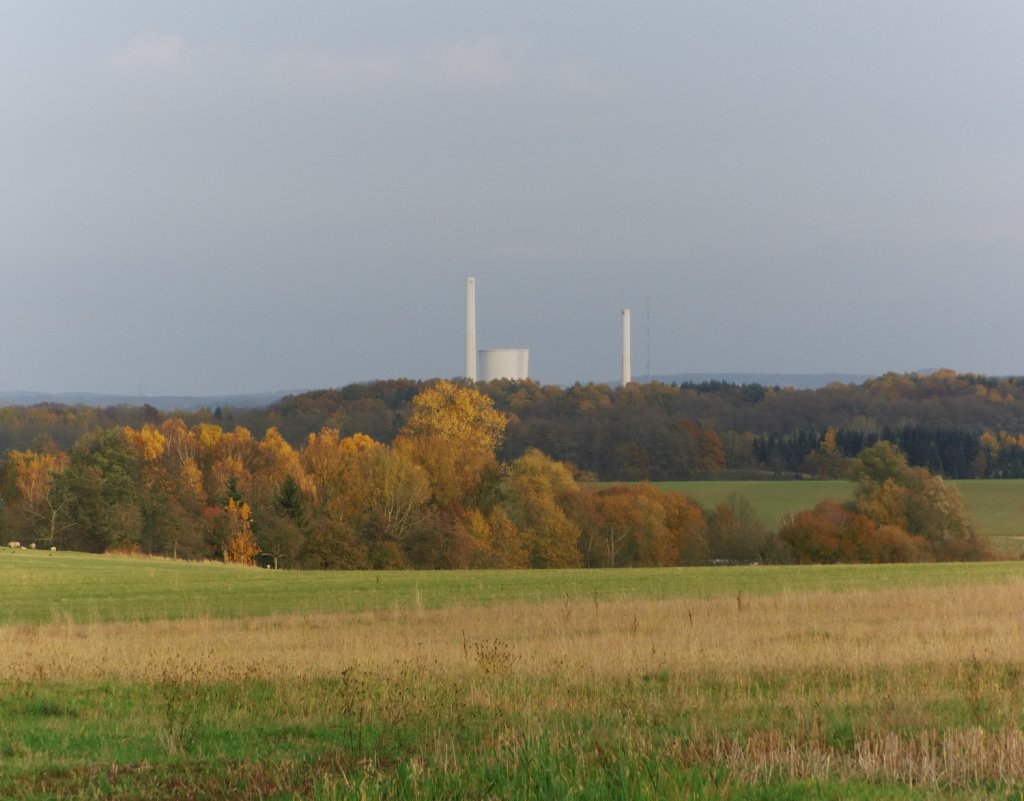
{"points": [[270, 463], [461, 417], [453, 433], [537, 495], [486, 541], [399, 490], [332, 462], [240, 546], [148, 441], [34, 474]]}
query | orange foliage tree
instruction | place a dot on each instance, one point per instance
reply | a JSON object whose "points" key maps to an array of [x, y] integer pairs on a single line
{"points": [[240, 545]]}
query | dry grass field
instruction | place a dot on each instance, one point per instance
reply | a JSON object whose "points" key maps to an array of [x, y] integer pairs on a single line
{"points": [[894, 692], [859, 630]]}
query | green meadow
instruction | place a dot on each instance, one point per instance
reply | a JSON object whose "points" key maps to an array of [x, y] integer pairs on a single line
{"points": [[126, 678], [772, 500], [996, 504], [38, 588]]}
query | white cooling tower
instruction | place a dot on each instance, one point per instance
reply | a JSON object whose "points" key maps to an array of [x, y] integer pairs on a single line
{"points": [[471, 329], [511, 363]]}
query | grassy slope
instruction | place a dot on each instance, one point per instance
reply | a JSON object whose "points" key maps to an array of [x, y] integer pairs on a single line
{"points": [[771, 499], [997, 504], [760, 691], [38, 588]]}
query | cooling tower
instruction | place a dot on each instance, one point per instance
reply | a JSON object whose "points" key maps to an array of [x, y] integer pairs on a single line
{"points": [[511, 363]]}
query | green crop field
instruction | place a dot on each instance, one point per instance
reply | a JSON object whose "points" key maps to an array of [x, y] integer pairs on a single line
{"points": [[36, 587], [997, 505], [770, 499], [130, 678]]}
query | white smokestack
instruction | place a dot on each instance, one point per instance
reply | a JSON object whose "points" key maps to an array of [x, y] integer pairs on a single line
{"points": [[626, 370], [471, 329]]}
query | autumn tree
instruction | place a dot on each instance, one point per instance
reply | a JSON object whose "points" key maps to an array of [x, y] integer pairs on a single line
{"points": [[398, 493], [271, 462], [879, 463], [821, 535], [174, 524], [453, 433], [460, 417], [735, 534], [537, 496], [239, 543], [338, 471], [490, 540], [913, 500], [229, 456], [832, 532], [32, 499], [685, 540], [826, 461], [642, 525], [900, 513]]}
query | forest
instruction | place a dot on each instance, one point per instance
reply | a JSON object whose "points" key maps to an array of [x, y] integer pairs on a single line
{"points": [[958, 426], [442, 475]]}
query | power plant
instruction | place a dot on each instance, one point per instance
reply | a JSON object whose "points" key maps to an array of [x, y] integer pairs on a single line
{"points": [[495, 363], [514, 363], [511, 363]]}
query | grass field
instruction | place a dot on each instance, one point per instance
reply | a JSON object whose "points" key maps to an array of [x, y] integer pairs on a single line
{"points": [[82, 588], [124, 678], [997, 505], [770, 499]]}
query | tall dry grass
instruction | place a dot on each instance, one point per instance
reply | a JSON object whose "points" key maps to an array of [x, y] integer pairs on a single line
{"points": [[927, 684], [849, 631]]}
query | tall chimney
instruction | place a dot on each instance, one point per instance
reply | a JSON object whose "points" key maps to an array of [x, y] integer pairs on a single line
{"points": [[626, 374], [471, 329]]}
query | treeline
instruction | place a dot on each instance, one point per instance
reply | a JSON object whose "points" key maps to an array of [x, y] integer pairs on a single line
{"points": [[959, 426], [439, 495], [899, 514], [435, 496]]}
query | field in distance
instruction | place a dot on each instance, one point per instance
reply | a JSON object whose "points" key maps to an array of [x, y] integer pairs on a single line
{"points": [[996, 504], [38, 588], [742, 683]]}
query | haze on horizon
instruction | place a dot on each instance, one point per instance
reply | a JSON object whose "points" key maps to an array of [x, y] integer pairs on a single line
{"points": [[203, 198]]}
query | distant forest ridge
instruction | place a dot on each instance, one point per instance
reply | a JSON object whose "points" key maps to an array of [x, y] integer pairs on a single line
{"points": [[193, 403], [794, 380], [166, 403], [957, 425]]}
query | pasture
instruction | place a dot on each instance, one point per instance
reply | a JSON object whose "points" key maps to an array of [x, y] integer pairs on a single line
{"points": [[133, 678], [997, 505]]}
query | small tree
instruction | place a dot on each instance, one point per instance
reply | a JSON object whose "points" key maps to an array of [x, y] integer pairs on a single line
{"points": [[240, 546]]}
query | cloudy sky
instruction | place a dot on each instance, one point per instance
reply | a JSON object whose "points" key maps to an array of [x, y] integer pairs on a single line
{"points": [[216, 196]]}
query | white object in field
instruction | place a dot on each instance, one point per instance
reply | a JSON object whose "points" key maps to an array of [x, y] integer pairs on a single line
{"points": [[511, 363]]}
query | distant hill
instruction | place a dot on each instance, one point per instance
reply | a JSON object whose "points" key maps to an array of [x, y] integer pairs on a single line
{"points": [[795, 380], [192, 403], [166, 403]]}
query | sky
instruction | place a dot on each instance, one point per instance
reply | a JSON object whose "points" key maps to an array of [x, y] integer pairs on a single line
{"points": [[204, 197]]}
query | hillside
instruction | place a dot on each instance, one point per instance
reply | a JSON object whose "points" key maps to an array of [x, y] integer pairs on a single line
{"points": [[962, 426]]}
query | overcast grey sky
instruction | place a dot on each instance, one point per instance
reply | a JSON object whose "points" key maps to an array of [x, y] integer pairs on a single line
{"points": [[229, 196]]}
